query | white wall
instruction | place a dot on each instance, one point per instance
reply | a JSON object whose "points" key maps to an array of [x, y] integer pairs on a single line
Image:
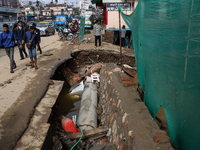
{"points": [[113, 18]]}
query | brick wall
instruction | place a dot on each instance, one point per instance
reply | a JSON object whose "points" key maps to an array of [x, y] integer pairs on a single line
{"points": [[131, 126]]}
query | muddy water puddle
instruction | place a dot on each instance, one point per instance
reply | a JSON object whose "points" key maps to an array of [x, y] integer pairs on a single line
{"points": [[68, 104]]}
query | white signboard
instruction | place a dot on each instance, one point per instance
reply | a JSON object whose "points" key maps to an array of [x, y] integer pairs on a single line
{"points": [[84, 4], [113, 1]]}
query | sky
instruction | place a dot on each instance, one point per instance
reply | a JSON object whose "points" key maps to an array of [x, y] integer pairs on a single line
{"points": [[59, 1]]}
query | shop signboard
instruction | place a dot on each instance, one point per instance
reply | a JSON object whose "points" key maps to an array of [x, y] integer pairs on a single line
{"points": [[114, 6], [113, 1]]}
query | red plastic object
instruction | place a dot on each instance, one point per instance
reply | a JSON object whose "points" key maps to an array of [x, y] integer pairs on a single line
{"points": [[68, 125]]}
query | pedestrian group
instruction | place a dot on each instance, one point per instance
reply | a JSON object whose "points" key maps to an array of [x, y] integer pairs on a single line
{"points": [[23, 37]]}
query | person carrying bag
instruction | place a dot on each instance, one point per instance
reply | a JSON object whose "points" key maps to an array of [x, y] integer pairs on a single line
{"points": [[29, 43], [30, 38]]}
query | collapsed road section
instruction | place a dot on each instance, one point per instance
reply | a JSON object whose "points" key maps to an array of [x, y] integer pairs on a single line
{"points": [[97, 108]]}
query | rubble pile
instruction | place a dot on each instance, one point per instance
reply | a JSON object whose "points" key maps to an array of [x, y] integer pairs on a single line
{"points": [[83, 131]]}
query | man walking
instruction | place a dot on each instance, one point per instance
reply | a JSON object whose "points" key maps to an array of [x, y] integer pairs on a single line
{"points": [[97, 33], [7, 39], [31, 39], [20, 32], [123, 35], [37, 31]]}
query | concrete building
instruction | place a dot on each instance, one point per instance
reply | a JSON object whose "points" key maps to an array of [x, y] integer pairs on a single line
{"points": [[30, 11], [54, 9], [111, 17], [110, 11], [9, 9]]}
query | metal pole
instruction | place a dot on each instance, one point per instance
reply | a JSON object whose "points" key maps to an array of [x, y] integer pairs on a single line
{"points": [[37, 4], [120, 37], [66, 8]]}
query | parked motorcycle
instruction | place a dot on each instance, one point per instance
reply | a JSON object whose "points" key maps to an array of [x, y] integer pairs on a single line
{"points": [[64, 34], [74, 30]]}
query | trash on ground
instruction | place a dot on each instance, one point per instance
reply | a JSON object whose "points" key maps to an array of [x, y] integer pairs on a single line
{"points": [[85, 41], [7, 82], [127, 66], [88, 79], [66, 142], [77, 89], [88, 134], [68, 125], [95, 77], [95, 68]]}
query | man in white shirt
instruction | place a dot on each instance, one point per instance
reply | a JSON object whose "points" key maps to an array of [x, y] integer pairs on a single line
{"points": [[97, 33], [123, 35]]}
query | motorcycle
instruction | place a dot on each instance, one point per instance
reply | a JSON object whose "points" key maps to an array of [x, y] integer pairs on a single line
{"points": [[74, 31], [64, 34]]}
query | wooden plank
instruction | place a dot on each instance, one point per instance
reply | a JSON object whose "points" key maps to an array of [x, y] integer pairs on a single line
{"points": [[87, 134]]}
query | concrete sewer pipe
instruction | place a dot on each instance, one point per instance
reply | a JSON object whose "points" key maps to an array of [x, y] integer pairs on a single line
{"points": [[87, 118]]}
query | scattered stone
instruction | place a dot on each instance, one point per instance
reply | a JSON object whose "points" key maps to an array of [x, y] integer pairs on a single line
{"points": [[51, 82], [109, 132], [117, 69], [8, 81], [24, 69], [161, 137], [47, 54], [127, 66], [29, 64], [1, 84]]}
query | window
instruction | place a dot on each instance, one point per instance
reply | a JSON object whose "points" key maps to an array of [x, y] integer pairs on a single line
{"points": [[60, 18]]}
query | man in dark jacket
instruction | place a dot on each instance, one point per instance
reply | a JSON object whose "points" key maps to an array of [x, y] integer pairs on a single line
{"points": [[20, 32], [37, 31], [31, 35], [7, 39]]}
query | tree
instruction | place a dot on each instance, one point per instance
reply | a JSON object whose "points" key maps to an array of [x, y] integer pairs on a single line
{"points": [[76, 12]]}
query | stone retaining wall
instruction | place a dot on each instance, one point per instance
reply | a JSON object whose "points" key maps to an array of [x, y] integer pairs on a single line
{"points": [[131, 126]]}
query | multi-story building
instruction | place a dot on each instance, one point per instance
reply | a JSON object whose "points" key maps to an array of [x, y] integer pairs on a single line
{"points": [[30, 11], [53, 9], [9, 9]]}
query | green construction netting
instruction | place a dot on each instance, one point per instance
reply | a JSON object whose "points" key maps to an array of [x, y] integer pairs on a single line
{"points": [[82, 29], [166, 41]]}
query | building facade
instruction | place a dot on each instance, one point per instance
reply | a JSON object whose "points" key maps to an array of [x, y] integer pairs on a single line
{"points": [[110, 11], [53, 9], [9, 9]]}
